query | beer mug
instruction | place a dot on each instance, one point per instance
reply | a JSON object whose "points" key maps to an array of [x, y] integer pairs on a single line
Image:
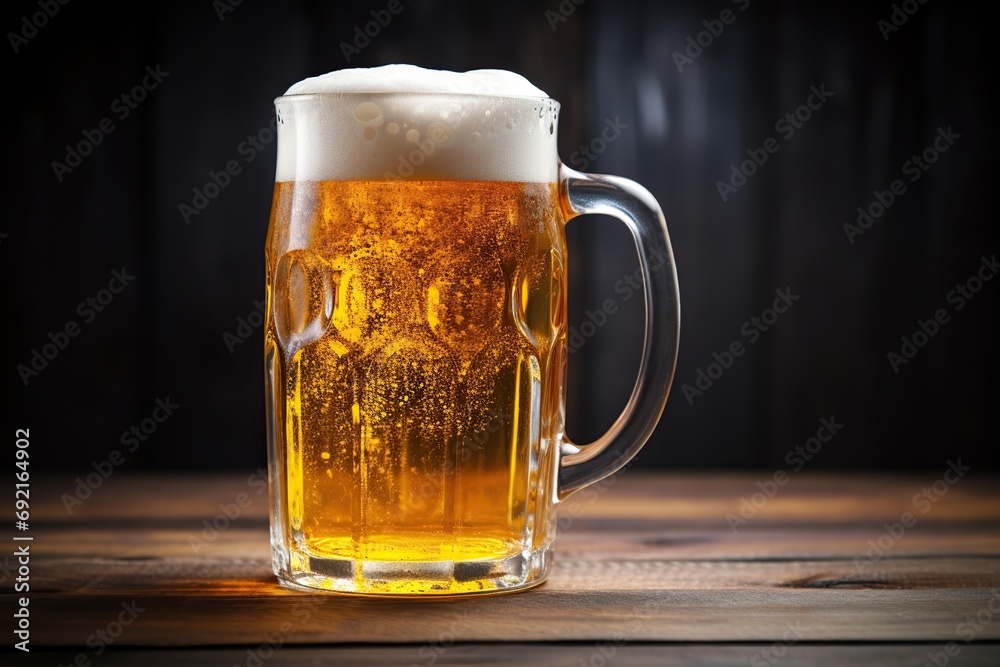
{"points": [[415, 350]]}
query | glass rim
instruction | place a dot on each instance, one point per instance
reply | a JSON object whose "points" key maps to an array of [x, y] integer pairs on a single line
{"points": [[411, 93]]}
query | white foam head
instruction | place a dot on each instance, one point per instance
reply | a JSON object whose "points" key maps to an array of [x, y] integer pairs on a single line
{"points": [[402, 121]]}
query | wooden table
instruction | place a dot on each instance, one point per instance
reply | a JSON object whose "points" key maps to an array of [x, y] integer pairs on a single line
{"points": [[649, 571]]}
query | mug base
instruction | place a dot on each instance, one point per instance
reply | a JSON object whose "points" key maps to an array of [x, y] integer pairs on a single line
{"points": [[395, 578]]}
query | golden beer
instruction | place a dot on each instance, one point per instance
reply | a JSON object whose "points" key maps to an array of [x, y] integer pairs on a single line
{"points": [[412, 328], [415, 350]]}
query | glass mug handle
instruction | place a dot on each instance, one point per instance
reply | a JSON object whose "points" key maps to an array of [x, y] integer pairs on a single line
{"points": [[631, 203]]}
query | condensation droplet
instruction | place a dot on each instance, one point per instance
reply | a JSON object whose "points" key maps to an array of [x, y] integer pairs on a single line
{"points": [[476, 138], [369, 133], [392, 128], [412, 136], [439, 132], [369, 113], [510, 124], [325, 456]]}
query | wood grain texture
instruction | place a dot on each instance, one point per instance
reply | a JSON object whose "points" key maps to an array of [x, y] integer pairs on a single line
{"points": [[555, 654], [647, 558]]}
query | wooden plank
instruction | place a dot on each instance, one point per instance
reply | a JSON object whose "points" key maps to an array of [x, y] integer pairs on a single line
{"points": [[629, 540], [240, 611], [585, 600], [648, 558], [252, 577], [689, 497], [552, 655]]}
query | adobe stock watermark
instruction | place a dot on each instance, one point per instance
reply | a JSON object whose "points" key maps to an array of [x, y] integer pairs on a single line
{"points": [[245, 326], [900, 14], [967, 630], [363, 35], [9, 567], [713, 30], [40, 358], [438, 134], [246, 152], [628, 286], [582, 156], [121, 108], [229, 512], [131, 440], [565, 9], [922, 502], [300, 614], [576, 505], [31, 24], [769, 655], [752, 329], [958, 297], [432, 651], [605, 651], [786, 126], [223, 7], [797, 459], [915, 167]]}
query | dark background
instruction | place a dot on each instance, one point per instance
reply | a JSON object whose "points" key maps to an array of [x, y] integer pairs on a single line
{"points": [[163, 336]]}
